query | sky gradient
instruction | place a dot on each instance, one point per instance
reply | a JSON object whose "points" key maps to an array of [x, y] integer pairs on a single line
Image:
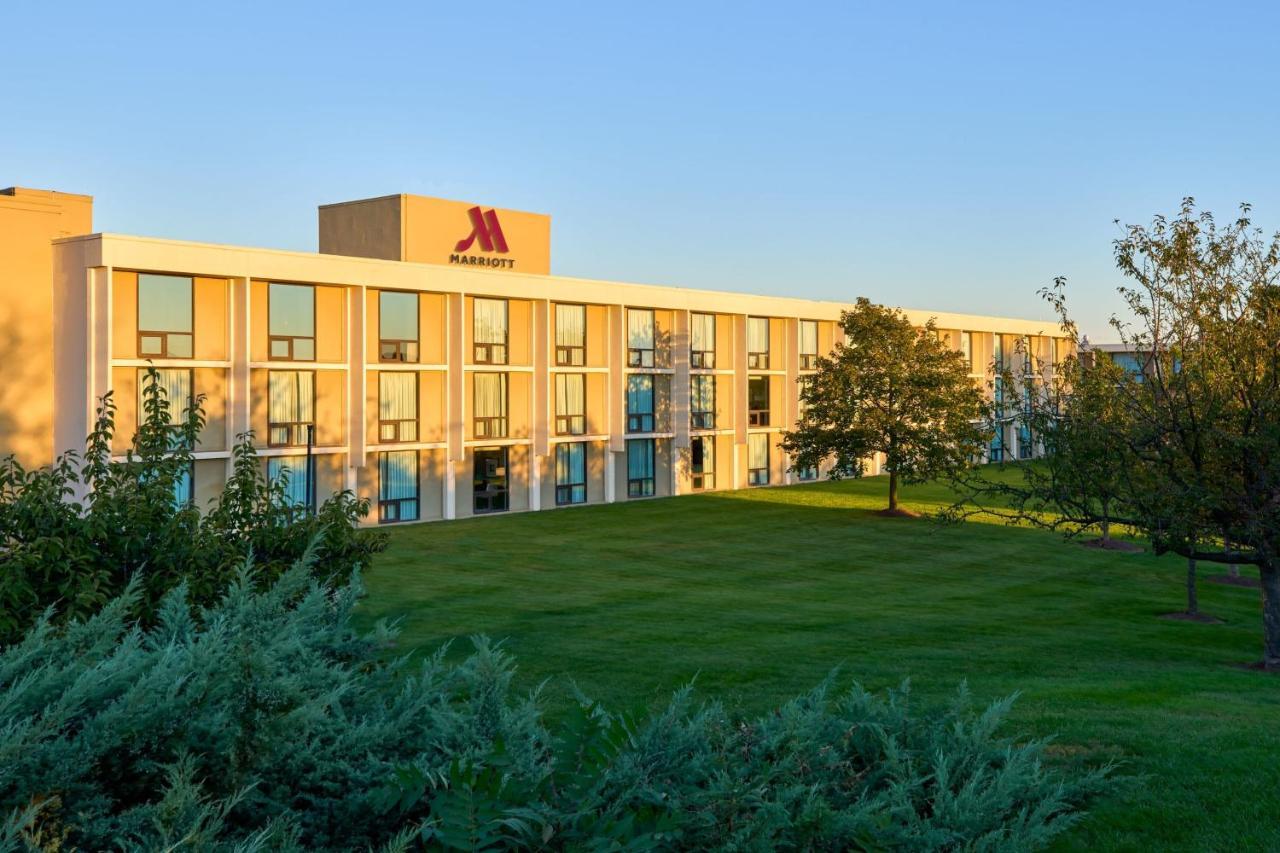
{"points": [[952, 156]]}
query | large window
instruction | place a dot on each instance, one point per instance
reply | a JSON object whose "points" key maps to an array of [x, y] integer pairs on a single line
{"points": [[809, 473], [293, 476], [571, 335], [702, 462], [291, 406], [571, 473], [291, 322], [808, 344], [489, 391], [966, 349], [758, 459], [702, 341], [398, 486], [639, 403], [640, 466], [758, 343], [489, 331], [165, 316], [571, 403], [641, 337], [758, 401], [175, 382], [398, 326], [702, 402], [397, 406], [489, 486]]}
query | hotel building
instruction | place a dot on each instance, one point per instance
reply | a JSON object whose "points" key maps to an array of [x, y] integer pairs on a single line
{"points": [[425, 358]]}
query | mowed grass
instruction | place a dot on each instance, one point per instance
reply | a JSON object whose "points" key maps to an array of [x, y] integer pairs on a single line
{"points": [[759, 594]]}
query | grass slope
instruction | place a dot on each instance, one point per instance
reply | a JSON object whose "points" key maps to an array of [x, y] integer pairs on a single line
{"points": [[760, 593]]}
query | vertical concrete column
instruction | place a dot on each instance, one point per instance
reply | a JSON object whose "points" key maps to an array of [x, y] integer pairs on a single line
{"points": [[238, 328], [455, 400], [98, 334], [541, 399], [680, 393], [357, 347], [739, 400], [617, 404], [791, 409]]}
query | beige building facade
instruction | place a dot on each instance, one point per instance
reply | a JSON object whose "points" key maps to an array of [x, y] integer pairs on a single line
{"points": [[426, 359]]}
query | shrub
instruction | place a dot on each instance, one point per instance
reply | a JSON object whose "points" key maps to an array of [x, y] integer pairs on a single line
{"points": [[264, 721], [75, 534]]}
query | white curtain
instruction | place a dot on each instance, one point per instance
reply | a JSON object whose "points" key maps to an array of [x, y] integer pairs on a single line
{"points": [[292, 469], [490, 321], [490, 392], [639, 394], [702, 394], [640, 331], [398, 475], [757, 334], [397, 396], [571, 325], [176, 384], [758, 450], [966, 348], [708, 447], [702, 332], [571, 394], [291, 395], [809, 337]]}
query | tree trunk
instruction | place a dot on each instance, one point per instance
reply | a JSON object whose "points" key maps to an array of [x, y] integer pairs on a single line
{"points": [[1270, 575], [893, 490], [1233, 569], [1106, 530], [1193, 601]]}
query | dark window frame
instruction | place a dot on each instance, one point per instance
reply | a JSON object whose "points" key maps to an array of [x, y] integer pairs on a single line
{"points": [[494, 353], [290, 339], [703, 359], [636, 355], [491, 426], [643, 487], [702, 418], [385, 504], [809, 360], [760, 360], [402, 350], [759, 417], [570, 423], [702, 481], [565, 353], [164, 335], [397, 424], [503, 495], [564, 491], [296, 428]]}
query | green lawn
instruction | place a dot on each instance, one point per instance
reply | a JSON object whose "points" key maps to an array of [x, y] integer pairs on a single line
{"points": [[759, 594]]}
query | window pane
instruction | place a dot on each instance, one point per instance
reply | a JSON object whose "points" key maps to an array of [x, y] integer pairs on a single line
{"points": [[490, 321], [397, 396], [757, 334], [176, 384], [570, 394], [164, 303], [293, 471], [490, 391], [639, 395], [639, 459], [809, 337], [758, 450], [703, 332], [758, 392], [571, 325], [292, 311], [397, 316], [640, 331], [398, 475]]}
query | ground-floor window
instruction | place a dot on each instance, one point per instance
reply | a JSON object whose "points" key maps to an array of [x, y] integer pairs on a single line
{"points": [[809, 473], [489, 484], [996, 451], [398, 486], [640, 466], [571, 473], [702, 463], [1025, 445], [758, 459], [184, 488], [292, 477]]}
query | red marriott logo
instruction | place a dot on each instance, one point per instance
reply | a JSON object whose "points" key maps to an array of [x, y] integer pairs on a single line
{"points": [[487, 231]]}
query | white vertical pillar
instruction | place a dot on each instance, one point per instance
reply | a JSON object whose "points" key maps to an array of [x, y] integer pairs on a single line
{"points": [[455, 416], [740, 377], [617, 403], [791, 401], [541, 400], [238, 327], [356, 381]]}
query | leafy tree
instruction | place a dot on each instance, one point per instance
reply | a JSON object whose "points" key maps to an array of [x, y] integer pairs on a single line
{"points": [[76, 533], [888, 388]]}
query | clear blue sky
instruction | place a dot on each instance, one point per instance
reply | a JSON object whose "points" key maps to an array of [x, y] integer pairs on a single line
{"points": [[953, 156]]}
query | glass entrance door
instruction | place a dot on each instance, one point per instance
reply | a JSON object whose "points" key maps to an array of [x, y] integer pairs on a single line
{"points": [[489, 485]]}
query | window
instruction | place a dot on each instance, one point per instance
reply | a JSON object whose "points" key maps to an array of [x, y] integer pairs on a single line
{"points": [[489, 331], [758, 459], [808, 344], [758, 401], [397, 486], [758, 343], [291, 322], [175, 382], [702, 341], [702, 402], [397, 406], [1024, 343], [966, 348], [184, 488], [165, 316], [291, 475], [571, 404], [996, 452], [397, 326], [571, 335], [571, 473], [291, 405], [702, 463], [639, 403], [640, 465], [489, 485], [810, 473], [489, 392], [640, 337]]}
